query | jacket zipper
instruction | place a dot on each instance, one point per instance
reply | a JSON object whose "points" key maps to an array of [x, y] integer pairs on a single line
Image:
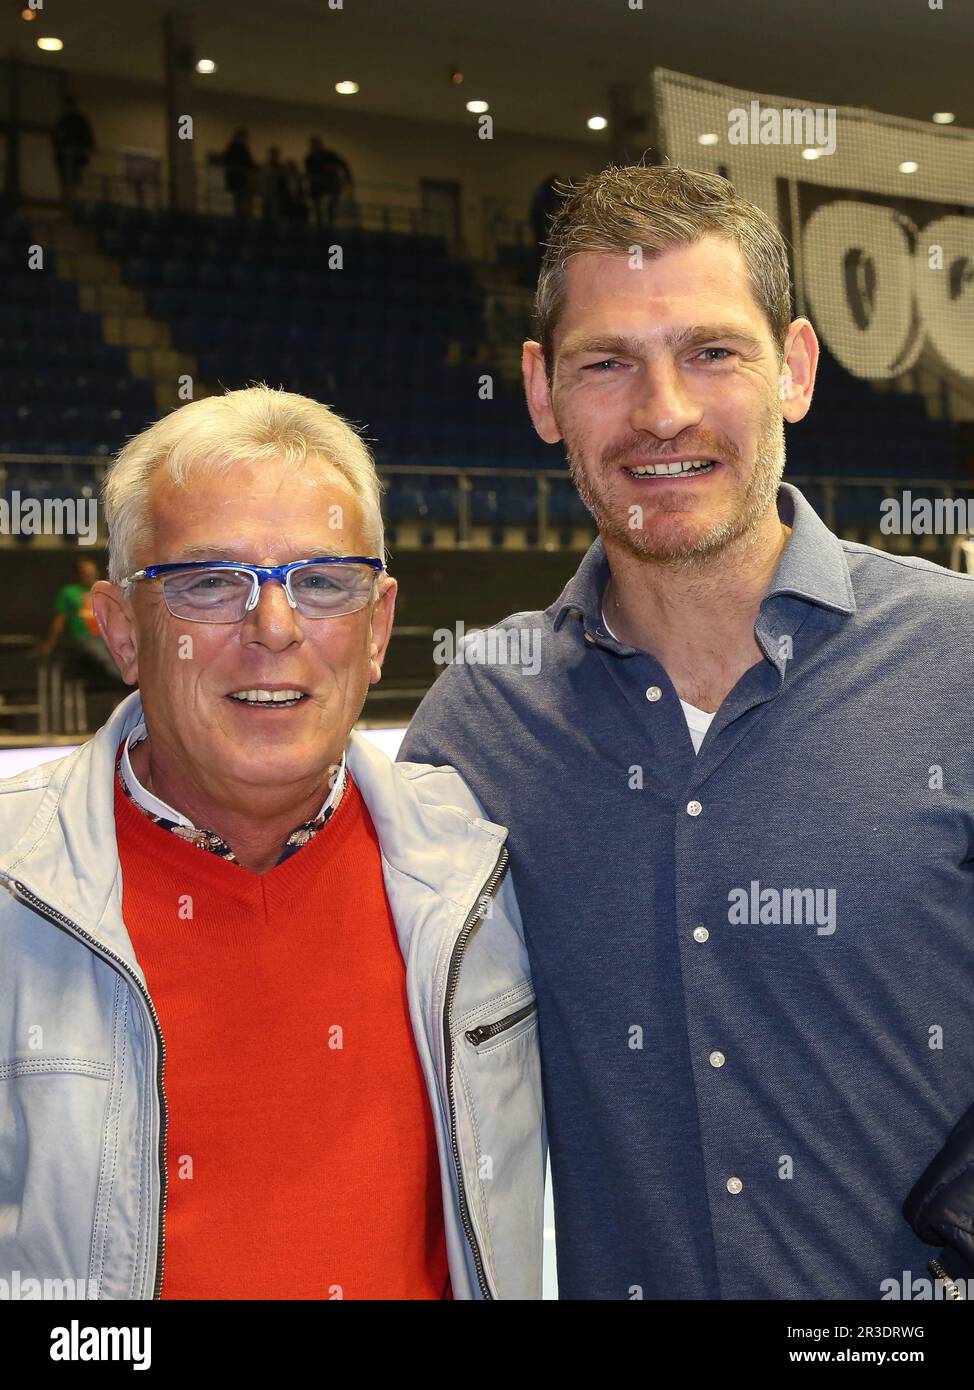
{"points": [[474, 919], [490, 1030], [938, 1271], [58, 919]]}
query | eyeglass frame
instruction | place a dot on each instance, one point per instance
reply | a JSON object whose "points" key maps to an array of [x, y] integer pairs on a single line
{"points": [[259, 575]]}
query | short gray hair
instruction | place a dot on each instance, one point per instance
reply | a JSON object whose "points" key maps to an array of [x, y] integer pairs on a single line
{"points": [[255, 425], [660, 207]]}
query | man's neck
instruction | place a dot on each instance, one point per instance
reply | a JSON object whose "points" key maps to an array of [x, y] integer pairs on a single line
{"points": [[257, 833], [697, 618]]}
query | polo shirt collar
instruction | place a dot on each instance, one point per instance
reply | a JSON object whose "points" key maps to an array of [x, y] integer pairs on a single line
{"points": [[813, 564], [812, 567]]}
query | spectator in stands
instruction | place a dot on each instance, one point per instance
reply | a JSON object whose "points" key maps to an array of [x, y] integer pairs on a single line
{"points": [[274, 185], [328, 177], [73, 140], [239, 944], [295, 207], [740, 787], [239, 168], [544, 204], [75, 615]]}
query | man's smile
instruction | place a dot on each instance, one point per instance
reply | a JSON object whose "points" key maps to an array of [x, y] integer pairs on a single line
{"points": [[269, 697], [671, 470]]}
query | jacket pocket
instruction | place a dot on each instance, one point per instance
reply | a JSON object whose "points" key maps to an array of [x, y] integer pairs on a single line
{"points": [[488, 1032]]}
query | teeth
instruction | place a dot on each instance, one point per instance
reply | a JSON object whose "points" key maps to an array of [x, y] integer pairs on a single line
{"points": [[266, 697], [651, 470]]}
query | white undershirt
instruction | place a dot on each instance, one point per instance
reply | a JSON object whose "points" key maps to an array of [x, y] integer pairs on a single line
{"points": [[698, 720]]}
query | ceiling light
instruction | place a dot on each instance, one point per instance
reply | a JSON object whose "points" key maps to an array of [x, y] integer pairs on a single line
{"points": [[50, 45], [477, 108], [944, 117], [596, 123], [346, 89], [206, 65]]}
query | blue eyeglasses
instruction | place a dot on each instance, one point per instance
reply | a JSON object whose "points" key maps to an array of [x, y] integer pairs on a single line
{"points": [[225, 591]]}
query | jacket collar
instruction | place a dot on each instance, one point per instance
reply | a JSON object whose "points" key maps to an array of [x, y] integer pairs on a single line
{"points": [[812, 568], [429, 829]]}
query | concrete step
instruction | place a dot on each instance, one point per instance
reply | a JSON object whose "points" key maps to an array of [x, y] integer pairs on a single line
{"points": [[119, 300], [51, 229], [162, 364], [88, 268], [136, 331]]}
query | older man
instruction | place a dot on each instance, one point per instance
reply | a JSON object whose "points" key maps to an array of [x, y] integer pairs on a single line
{"points": [[740, 788], [266, 1024]]}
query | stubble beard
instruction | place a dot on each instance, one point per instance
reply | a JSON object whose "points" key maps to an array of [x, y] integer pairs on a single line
{"points": [[756, 500]]}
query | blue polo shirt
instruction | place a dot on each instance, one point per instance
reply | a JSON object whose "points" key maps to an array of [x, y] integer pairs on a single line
{"points": [[754, 965]]}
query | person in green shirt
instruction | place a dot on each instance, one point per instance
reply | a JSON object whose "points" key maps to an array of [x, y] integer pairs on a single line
{"points": [[74, 613]]}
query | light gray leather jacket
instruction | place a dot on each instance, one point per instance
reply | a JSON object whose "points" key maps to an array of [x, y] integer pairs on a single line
{"points": [[82, 1107]]}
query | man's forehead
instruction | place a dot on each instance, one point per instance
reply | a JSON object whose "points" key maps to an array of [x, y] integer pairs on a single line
{"points": [[261, 515], [689, 287], [239, 481], [703, 260]]}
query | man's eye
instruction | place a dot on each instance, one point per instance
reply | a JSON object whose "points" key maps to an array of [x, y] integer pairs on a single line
{"points": [[318, 582], [727, 352], [209, 583], [607, 362]]}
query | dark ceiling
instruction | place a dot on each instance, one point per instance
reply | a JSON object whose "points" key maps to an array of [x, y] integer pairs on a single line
{"points": [[544, 65]]}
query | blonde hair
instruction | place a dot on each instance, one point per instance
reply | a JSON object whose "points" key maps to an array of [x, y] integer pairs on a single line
{"points": [[660, 207], [255, 425]]}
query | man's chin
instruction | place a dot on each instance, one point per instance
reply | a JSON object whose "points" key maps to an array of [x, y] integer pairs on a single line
{"points": [[264, 766], [670, 537]]}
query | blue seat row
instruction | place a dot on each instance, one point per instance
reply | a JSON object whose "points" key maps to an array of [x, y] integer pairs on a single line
{"points": [[56, 389], [61, 354], [43, 321]]}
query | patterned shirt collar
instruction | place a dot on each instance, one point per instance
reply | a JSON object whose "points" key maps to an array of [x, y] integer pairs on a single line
{"points": [[170, 819]]}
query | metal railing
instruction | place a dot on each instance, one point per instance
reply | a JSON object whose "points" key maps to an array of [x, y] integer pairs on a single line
{"points": [[140, 178], [56, 704]]}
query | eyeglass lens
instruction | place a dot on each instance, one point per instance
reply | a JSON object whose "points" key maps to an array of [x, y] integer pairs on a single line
{"points": [[217, 595]]}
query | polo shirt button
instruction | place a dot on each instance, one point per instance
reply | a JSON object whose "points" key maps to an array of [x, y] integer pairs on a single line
{"points": [[700, 934], [717, 1059], [694, 808], [654, 693], [734, 1185]]}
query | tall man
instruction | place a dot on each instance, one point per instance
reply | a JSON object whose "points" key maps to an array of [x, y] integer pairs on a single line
{"points": [[266, 1027], [740, 788]]}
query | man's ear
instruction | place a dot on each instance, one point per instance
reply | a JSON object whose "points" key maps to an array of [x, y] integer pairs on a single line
{"points": [[113, 613], [798, 371], [382, 617], [537, 392]]}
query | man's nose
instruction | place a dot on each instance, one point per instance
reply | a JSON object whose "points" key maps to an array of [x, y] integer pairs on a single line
{"points": [[665, 405], [272, 621]]}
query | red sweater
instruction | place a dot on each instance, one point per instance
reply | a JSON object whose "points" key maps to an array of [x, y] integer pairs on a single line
{"points": [[301, 1153]]}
